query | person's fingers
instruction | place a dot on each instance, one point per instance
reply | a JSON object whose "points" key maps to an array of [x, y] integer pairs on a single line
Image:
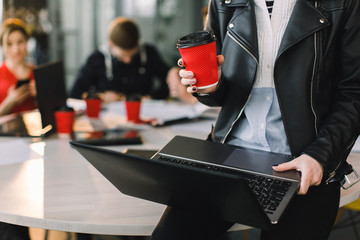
{"points": [[220, 60], [188, 81], [305, 183], [192, 89], [186, 74], [32, 88], [285, 166], [181, 63], [188, 77], [311, 171], [20, 98]]}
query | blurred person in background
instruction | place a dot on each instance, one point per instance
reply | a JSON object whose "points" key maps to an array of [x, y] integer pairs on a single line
{"points": [[17, 85], [123, 66]]}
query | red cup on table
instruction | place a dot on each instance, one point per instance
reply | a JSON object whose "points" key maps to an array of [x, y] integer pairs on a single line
{"points": [[198, 53], [93, 106], [133, 108], [64, 117]]}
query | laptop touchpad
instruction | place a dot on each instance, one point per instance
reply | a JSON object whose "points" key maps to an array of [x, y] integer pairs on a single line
{"points": [[250, 160]]}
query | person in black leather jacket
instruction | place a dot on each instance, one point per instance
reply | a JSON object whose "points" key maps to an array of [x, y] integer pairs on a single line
{"points": [[290, 83]]}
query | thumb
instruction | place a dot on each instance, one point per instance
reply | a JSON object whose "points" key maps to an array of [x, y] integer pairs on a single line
{"points": [[284, 166], [220, 60]]}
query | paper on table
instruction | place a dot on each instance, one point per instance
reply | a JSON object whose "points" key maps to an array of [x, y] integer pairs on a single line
{"points": [[159, 110], [76, 104], [174, 113], [16, 151], [165, 111]]}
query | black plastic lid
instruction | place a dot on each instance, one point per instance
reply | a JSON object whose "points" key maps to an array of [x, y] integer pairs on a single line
{"points": [[133, 97], [196, 39], [92, 94], [64, 108]]}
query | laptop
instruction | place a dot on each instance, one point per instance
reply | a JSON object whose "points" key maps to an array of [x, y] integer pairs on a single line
{"points": [[51, 93], [216, 179]]}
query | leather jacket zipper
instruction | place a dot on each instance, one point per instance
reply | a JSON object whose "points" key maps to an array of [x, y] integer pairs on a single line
{"points": [[312, 83], [316, 41], [333, 173], [242, 110], [242, 46]]}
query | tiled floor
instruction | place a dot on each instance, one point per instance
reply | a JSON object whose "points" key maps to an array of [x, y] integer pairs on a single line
{"points": [[343, 230]]}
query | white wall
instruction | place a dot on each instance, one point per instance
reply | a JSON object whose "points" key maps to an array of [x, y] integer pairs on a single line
{"points": [[82, 32]]}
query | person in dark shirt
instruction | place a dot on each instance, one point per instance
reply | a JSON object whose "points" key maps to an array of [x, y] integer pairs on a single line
{"points": [[123, 66]]}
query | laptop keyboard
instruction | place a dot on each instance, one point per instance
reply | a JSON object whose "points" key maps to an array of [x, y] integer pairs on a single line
{"points": [[268, 191]]}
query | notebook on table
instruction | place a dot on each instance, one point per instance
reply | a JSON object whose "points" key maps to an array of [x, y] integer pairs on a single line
{"points": [[51, 93], [212, 178]]}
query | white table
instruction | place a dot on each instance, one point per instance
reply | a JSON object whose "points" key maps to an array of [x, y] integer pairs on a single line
{"points": [[47, 184]]}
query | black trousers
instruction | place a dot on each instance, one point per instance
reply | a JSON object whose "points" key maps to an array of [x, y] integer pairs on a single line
{"points": [[13, 232], [308, 217]]}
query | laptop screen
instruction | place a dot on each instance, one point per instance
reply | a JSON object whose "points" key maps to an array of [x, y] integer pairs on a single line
{"points": [[51, 91]]}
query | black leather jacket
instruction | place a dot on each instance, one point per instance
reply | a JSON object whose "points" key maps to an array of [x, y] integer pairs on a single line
{"points": [[316, 73]]}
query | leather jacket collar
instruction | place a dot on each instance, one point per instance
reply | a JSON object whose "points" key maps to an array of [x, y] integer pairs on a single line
{"points": [[312, 20]]}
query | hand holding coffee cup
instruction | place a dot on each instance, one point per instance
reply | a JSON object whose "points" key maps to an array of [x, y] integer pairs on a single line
{"points": [[187, 77], [198, 52]]}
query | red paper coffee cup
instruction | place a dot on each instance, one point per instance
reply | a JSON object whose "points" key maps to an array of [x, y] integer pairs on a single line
{"points": [[198, 52], [93, 107], [65, 121], [133, 111]]}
